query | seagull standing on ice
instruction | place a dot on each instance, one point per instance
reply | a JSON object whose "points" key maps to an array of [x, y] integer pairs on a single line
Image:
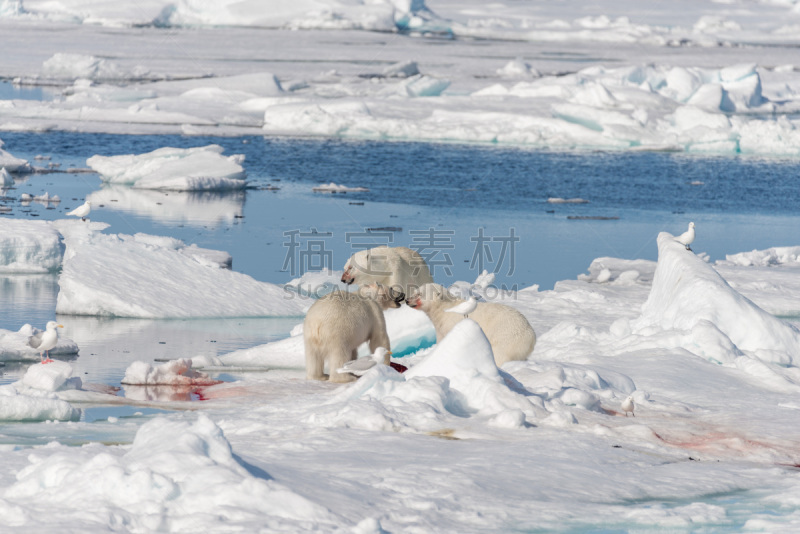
{"points": [[687, 237], [362, 365], [627, 406], [466, 307], [45, 341], [82, 211]]}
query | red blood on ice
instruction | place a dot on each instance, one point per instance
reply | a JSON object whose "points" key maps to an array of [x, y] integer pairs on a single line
{"points": [[397, 367]]}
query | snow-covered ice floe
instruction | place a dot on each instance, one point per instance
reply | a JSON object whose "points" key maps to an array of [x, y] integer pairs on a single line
{"points": [[151, 276], [174, 169], [137, 275], [34, 398], [29, 246], [12, 164], [16, 345]]}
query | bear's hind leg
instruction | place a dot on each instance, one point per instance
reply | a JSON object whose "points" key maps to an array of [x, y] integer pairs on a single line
{"points": [[336, 360], [315, 362]]}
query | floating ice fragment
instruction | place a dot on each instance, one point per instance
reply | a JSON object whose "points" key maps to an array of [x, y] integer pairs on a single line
{"points": [[173, 373], [178, 169], [336, 188]]}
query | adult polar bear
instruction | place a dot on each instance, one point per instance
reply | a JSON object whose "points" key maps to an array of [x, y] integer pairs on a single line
{"points": [[338, 323], [511, 335], [399, 268]]}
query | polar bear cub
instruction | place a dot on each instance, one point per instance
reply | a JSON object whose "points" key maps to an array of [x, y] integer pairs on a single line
{"points": [[399, 268], [339, 322], [508, 331]]}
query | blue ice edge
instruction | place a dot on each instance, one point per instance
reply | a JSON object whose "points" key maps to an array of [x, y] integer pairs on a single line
{"points": [[410, 344]]}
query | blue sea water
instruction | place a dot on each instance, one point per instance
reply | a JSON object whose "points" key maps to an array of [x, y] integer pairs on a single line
{"points": [[465, 207]]}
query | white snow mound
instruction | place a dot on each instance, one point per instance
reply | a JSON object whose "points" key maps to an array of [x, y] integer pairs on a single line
{"points": [[174, 473], [687, 293]]}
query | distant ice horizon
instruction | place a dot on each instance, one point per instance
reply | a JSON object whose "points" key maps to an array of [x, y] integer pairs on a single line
{"points": [[702, 77]]}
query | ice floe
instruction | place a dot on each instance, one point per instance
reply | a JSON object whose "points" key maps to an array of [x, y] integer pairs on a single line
{"points": [[338, 188], [151, 276], [29, 246], [173, 169], [34, 399], [173, 373], [12, 164]]}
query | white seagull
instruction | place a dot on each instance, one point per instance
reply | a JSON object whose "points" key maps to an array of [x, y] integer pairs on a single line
{"points": [[361, 365], [466, 307], [46, 340], [627, 406], [686, 237], [82, 211]]}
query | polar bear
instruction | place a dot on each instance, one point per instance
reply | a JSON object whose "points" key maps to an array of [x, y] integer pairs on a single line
{"points": [[399, 268], [339, 322], [508, 331]]}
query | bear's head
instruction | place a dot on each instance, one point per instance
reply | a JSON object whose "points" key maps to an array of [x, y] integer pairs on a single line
{"points": [[386, 297], [367, 266], [425, 296]]}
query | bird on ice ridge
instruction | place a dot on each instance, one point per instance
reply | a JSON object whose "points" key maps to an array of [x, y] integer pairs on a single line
{"points": [[82, 211], [687, 237]]}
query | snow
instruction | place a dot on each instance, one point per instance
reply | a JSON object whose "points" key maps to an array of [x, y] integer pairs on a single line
{"points": [[149, 276], [688, 295], [173, 169], [175, 476], [764, 258], [17, 406], [708, 351], [558, 413]]}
